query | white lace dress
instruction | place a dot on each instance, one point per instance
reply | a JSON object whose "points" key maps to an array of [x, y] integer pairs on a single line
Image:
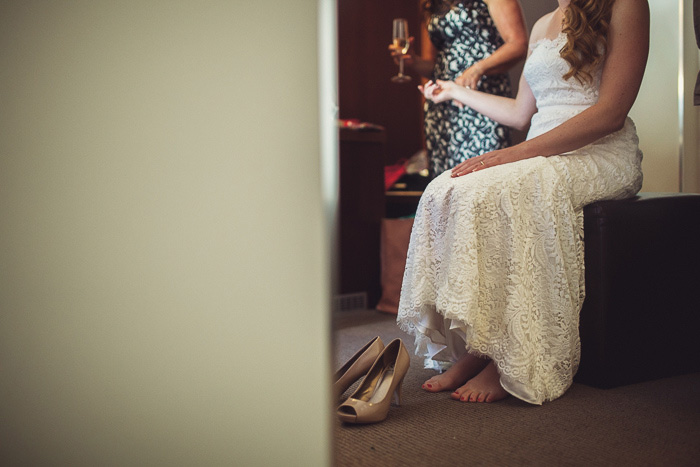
{"points": [[495, 264]]}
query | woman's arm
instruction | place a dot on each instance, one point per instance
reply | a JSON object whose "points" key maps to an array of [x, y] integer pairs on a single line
{"points": [[423, 64], [626, 56], [508, 17], [515, 113]]}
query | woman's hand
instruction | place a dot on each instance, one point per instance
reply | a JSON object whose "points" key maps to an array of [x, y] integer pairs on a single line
{"points": [[489, 159], [432, 91], [471, 76], [439, 91], [396, 53]]}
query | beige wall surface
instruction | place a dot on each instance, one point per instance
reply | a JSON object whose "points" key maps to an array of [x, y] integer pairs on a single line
{"points": [[164, 260], [656, 109], [661, 117], [691, 113]]}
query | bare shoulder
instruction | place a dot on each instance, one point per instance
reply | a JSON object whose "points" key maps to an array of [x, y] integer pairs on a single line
{"points": [[541, 27], [633, 4], [630, 19], [627, 11]]}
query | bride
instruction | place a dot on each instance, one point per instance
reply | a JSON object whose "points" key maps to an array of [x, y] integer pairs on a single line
{"points": [[494, 279]]}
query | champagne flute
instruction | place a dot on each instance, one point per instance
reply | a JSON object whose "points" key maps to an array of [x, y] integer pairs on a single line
{"points": [[401, 43]]}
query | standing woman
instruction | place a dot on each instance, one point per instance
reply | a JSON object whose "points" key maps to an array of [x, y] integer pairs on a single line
{"points": [[474, 43]]}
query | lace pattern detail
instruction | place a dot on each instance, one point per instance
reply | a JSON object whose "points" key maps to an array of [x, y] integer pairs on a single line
{"points": [[495, 264]]}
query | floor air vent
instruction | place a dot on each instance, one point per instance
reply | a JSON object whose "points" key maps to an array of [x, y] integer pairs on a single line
{"points": [[352, 301]]}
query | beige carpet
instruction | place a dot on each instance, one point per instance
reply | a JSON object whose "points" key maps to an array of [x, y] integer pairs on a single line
{"points": [[653, 423]]}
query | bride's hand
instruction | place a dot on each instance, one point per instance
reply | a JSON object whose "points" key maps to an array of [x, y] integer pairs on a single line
{"points": [[439, 91], [430, 90], [487, 160]]}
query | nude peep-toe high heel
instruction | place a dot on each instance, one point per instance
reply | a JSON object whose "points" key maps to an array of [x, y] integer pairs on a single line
{"points": [[357, 366], [371, 400]]}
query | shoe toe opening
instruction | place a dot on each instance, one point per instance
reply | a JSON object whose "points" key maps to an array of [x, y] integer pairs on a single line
{"points": [[347, 410]]}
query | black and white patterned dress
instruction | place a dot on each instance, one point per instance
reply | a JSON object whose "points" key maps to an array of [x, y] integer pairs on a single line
{"points": [[462, 36]]}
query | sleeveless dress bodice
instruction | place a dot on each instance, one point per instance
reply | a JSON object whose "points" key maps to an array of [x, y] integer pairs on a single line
{"points": [[557, 99]]}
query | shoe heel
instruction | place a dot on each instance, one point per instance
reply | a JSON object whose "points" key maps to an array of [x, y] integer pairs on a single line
{"points": [[397, 394]]}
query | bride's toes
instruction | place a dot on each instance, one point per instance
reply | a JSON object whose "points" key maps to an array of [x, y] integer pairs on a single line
{"points": [[438, 383], [466, 393], [484, 387], [473, 396], [432, 385], [462, 394], [475, 391]]}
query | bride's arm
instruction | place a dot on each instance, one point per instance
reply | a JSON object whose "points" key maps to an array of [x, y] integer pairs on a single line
{"points": [[515, 113], [627, 51]]}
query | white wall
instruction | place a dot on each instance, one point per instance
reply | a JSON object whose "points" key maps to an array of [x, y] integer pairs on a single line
{"points": [[164, 262], [656, 112], [691, 113]]}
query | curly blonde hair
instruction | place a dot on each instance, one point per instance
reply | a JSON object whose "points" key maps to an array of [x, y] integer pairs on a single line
{"points": [[586, 25]]}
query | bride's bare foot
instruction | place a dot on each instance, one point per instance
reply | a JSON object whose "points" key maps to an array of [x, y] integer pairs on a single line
{"points": [[466, 367], [484, 387]]}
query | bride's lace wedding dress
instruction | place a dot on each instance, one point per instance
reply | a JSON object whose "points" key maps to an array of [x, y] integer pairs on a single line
{"points": [[495, 264]]}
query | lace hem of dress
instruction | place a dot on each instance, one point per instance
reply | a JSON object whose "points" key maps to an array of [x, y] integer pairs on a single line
{"points": [[440, 350]]}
